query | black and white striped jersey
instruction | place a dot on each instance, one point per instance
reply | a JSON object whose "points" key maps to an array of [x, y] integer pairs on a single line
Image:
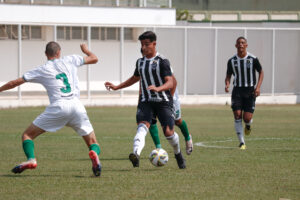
{"points": [[153, 72], [243, 70]]}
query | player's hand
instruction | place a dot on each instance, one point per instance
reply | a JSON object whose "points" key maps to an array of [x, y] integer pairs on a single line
{"points": [[257, 92], [84, 48], [226, 88], [153, 88], [109, 86]]}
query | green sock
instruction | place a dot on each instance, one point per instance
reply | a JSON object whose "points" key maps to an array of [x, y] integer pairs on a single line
{"points": [[95, 147], [184, 130], [28, 147], [154, 134]]}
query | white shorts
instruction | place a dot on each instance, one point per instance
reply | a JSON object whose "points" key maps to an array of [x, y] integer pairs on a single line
{"points": [[65, 113], [177, 110]]}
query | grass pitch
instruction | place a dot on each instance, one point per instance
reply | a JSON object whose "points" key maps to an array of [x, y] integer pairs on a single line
{"points": [[217, 169]]}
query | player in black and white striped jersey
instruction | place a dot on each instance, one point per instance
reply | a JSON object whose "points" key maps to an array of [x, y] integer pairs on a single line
{"points": [[243, 66], [154, 73]]}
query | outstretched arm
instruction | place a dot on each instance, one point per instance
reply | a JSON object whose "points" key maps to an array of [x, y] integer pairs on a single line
{"points": [[132, 80], [91, 58], [12, 84]]}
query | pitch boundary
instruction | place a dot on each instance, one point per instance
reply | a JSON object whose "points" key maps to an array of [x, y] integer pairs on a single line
{"points": [[209, 144]]}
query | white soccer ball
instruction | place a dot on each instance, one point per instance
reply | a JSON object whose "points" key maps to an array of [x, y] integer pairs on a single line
{"points": [[159, 157]]}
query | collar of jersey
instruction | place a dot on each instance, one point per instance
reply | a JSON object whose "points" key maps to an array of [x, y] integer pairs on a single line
{"points": [[52, 60], [242, 58], [152, 57]]}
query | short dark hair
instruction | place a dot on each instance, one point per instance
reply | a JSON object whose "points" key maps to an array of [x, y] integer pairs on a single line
{"points": [[241, 37], [52, 48], [148, 35]]}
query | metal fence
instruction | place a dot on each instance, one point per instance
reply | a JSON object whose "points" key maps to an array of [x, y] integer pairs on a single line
{"points": [[198, 56], [109, 3]]}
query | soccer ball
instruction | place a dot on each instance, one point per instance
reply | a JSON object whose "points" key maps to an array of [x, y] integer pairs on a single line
{"points": [[159, 157]]}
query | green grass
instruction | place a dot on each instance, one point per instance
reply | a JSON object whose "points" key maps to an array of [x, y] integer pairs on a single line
{"points": [[268, 169]]}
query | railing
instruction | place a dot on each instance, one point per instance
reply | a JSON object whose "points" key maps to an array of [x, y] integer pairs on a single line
{"points": [[108, 3]]}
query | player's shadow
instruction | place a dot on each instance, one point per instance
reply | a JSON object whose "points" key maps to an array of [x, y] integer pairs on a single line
{"points": [[41, 176], [101, 159], [27, 175]]}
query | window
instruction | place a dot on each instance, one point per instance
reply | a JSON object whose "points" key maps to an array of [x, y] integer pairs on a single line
{"points": [[112, 33], [47, 2], [97, 33], [18, 1], [36, 32], [71, 33], [28, 32], [128, 33], [76, 33]]}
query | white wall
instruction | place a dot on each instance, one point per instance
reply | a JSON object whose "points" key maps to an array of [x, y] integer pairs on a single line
{"points": [[78, 15]]}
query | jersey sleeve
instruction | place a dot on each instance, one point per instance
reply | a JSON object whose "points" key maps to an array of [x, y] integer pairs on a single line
{"points": [[33, 75], [257, 65], [76, 60], [165, 69], [136, 71], [229, 68]]}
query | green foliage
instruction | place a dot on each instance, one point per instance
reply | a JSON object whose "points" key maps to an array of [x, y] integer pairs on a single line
{"points": [[182, 15], [268, 169]]}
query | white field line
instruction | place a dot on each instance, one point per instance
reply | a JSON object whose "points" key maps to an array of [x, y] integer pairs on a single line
{"points": [[207, 144]]}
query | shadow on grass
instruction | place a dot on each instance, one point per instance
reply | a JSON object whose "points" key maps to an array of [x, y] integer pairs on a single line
{"points": [[109, 159], [42, 175]]}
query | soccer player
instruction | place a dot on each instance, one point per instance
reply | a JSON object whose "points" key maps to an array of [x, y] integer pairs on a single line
{"points": [[59, 77], [243, 66], [154, 73], [178, 122]]}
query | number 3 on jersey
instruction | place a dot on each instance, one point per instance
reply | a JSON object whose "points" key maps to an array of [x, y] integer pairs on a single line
{"points": [[64, 77]]}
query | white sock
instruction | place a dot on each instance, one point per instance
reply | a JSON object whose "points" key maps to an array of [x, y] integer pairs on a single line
{"points": [[239, 130], [139, 139], [249, 123], [174, 142]]}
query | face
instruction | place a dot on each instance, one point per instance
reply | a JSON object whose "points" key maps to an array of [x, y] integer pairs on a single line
{"points": [[148, 48], [241, 45]]}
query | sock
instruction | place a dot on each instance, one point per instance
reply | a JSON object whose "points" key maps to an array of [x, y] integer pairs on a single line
{"points": [[174, 142], [95, 147], [28, 147], [154, 134], [139, 139], [184, 130], [239, 130], [249, 123]]}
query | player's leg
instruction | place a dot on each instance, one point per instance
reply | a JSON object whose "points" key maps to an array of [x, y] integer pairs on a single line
{"points": [[50, 120], [183, 127], [144, 116], [28, 146], [94, 152], [249, 107], [80, 122], [165, 115], [236, 105], [187, 136], [154, 133], [248, 121], [238, 125]]}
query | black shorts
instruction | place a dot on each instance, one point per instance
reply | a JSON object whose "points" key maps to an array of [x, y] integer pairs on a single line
{"points": [[243, 98], [147, 111]]}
